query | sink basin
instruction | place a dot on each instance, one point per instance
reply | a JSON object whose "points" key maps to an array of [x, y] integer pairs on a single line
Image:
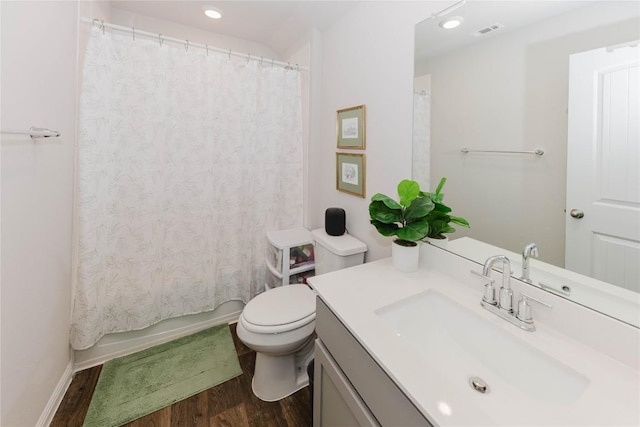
{"points": [[461, 345]]}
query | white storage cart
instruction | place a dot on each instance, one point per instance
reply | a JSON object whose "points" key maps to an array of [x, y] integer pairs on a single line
{"points": [[289, 257]]}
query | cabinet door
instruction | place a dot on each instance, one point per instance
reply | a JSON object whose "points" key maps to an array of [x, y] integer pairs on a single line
{"points": [[335, 402]]}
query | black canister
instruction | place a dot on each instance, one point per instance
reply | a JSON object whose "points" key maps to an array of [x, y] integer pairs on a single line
{"points": [[335, 221]]}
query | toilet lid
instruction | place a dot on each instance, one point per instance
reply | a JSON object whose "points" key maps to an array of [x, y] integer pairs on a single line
{"points": [[281, 306]]}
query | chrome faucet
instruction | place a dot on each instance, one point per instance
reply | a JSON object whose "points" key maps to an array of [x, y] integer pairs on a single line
{"points": [[531, 250], [505, 294], [503, 307]]}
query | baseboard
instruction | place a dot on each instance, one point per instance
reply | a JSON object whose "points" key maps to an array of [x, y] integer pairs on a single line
{"points": [[124, 343], [56, 397]]}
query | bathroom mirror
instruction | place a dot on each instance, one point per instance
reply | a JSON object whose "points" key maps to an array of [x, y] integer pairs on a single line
{"points": [[500, 82]]}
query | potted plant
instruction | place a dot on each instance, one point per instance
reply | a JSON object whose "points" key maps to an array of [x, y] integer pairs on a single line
{"points": [[406, 219], [440, 217]]}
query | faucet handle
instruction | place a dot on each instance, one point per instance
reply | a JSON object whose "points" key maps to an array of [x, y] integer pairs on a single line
{"points": [[489, 294], [524, 309], [487, 279]]}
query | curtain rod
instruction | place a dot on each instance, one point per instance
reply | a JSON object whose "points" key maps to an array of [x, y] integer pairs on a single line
{"points": [[187, 44]]}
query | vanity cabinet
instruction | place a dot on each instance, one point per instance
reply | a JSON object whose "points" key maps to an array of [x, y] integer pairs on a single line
{"points": [[350, 388], [289, 257]]}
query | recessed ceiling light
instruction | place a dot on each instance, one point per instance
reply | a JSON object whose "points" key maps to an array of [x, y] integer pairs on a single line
{"points": [[451, 23], [211, 12]]}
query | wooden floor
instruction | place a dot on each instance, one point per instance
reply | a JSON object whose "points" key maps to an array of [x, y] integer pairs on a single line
{"points": [[230, 404]]}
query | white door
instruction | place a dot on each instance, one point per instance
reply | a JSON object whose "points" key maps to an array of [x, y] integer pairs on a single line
{"points": [[603, 166]]}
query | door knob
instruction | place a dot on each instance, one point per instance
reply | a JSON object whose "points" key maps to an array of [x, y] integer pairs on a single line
{"points": [[576, 213]]}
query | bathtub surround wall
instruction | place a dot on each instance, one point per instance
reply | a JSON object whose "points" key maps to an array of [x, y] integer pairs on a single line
{"points": [[185, 161], [38, 88]]}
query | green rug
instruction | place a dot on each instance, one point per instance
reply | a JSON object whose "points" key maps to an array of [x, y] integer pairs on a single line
{"points": [[136, 385]]}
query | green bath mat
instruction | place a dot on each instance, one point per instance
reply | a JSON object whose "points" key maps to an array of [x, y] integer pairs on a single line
{"points": [[136, 385]]}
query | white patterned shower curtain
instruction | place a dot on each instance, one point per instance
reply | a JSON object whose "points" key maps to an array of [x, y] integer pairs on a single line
{"points": [[185, 161], [422, 139]]}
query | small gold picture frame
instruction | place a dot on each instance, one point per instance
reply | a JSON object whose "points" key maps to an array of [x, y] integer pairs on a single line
{"points": [[351, 174], [351, 128]]}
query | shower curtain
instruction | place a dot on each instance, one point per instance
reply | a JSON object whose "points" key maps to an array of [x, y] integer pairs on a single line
{"points": [[421, 139], [185, 160]]}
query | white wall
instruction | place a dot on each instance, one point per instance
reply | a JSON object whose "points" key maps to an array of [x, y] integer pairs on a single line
{"points": [[510, 92], [38, 84], [367, 58]]}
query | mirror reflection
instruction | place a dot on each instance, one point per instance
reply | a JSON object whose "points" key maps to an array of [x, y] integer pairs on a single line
{"points": [[558, 77]]}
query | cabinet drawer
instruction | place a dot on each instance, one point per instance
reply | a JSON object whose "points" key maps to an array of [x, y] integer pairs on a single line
{"points": [[387, 402], [299, 258], [273, 256]]}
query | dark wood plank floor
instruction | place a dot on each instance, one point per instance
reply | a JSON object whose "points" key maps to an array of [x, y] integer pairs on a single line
{"points": [[230, 404]]}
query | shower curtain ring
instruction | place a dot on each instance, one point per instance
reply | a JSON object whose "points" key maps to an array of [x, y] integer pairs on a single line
{"points": [[186, 47], [102, 26], [133, 33], [206, 46], [229, 54], [272, 62], [160, 39], [261, 60], [248, 58]]}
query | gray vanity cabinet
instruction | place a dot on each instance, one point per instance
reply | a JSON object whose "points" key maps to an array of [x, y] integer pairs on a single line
{"points": [[350, 389]]}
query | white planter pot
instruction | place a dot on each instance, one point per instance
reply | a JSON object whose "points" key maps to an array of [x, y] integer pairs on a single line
{"points": [[405, 258]]}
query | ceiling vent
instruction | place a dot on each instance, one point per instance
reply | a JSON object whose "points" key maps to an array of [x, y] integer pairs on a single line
{"points": [[487, 30]]}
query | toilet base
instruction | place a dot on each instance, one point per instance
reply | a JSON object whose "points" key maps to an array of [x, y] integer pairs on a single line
{"points": [[276, 377]]}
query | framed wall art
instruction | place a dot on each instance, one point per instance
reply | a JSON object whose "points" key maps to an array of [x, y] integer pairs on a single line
{"points": [[351, 128], [350, 173]]}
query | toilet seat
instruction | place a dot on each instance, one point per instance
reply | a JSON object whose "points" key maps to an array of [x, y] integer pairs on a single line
{"points": [[281, 309]]}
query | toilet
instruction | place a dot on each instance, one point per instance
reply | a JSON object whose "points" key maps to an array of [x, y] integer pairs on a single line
{"points": [[279, 324]]}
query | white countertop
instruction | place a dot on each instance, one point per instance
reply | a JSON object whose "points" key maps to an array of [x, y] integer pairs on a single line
{"points": [[612, 396]]}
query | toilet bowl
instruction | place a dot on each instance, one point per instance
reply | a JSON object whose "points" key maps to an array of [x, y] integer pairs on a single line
{"points": [[279, 324]]}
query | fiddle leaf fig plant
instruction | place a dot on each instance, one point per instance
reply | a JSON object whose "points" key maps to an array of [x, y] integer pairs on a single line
{"points": [[440, 217], [407, 219]]}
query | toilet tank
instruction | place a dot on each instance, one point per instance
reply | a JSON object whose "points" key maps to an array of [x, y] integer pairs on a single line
{"points": [[336, 252]]}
